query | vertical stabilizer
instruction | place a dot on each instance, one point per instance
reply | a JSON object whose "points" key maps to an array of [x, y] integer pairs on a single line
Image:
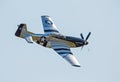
{"points": [[23, 33]]}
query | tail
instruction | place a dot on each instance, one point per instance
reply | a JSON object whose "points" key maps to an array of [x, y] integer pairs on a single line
{"points": [[23, 33]]}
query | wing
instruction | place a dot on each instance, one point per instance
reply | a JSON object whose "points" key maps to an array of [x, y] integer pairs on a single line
{"points": [[63, 50], [48, 25]]}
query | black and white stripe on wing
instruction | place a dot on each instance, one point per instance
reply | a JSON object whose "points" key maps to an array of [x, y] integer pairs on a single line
{"points": [[63, 51], [57, 49], [48, 25], [61, 48], [51, 31]]}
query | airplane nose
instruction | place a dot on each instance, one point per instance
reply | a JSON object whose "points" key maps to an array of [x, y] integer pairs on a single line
{"points": [[86, 43]]}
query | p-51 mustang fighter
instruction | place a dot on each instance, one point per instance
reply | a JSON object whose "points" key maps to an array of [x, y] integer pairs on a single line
{"points": [[54, 39]]}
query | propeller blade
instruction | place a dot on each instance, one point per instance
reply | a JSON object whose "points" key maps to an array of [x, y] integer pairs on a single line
{"points": [[88, 36], [82, 36]]}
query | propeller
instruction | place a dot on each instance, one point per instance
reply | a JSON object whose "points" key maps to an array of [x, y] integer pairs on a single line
{"points": [[85, 40], [82, 36], [88, 36]]}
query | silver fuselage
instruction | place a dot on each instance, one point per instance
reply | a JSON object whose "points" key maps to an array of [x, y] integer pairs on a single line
{"points": [[71, 41]]}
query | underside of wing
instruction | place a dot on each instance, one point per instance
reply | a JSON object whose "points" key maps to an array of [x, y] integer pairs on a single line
{"points": [[48, 25], [63, 50]]}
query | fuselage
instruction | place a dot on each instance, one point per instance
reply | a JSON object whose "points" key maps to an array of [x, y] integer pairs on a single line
{"points": [[73, 42]]}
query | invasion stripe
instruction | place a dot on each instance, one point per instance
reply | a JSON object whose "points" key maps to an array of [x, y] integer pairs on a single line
{"points": [[51, 31], [64, 52], [59, 46], [57, 49]]}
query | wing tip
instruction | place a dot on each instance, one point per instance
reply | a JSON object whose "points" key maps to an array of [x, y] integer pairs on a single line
{"points": [[76, 65], [45, 16]]}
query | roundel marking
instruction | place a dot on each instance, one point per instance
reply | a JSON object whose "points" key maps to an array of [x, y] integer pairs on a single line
{"points": [[48, 22]]}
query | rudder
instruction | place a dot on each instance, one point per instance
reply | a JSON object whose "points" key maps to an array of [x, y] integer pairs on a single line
{"points": [[21, 31]]}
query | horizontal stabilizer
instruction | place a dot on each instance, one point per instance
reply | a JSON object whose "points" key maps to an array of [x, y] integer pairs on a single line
{"points": [[22, 32], [29, 39]]}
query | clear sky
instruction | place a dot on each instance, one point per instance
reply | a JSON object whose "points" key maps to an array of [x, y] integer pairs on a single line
{"points": [[23, 62]]}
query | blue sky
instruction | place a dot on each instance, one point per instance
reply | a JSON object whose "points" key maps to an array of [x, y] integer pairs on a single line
{"points": [[23, 62]]}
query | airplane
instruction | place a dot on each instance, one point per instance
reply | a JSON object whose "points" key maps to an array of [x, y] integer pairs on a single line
{"points": [[52, 38]]}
